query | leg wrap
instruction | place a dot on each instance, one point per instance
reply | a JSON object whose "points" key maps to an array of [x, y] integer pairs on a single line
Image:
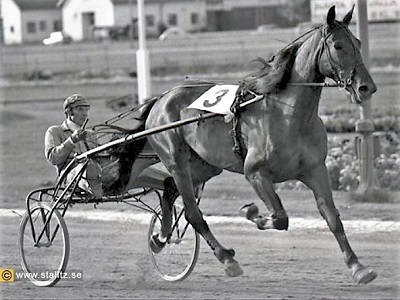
{"points": [[330, 214], [280, 220], [224, 254]]}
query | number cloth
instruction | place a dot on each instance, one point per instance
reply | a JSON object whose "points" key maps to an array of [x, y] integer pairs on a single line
{"points": [[217, 99]]}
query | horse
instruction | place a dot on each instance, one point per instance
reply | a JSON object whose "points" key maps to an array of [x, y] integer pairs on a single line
{"points": [[281, 136]]}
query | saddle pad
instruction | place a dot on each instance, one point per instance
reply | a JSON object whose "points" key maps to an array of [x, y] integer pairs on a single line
{"points": [[217, 99]]}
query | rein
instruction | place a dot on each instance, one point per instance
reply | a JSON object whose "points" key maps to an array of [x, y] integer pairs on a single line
{"points": [[322, 84]]}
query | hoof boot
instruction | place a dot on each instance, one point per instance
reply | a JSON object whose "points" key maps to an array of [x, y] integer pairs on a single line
{"points": [[249, 211], [155, 244]]}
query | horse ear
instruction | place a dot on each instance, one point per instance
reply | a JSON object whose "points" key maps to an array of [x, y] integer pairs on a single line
{"points": [[330, 18], [347, 18]]}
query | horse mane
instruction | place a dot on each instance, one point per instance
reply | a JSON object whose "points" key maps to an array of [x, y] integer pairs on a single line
{"points": [[274, 74]]}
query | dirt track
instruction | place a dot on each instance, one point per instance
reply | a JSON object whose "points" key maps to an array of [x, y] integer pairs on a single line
{"points": [[299, 264]]}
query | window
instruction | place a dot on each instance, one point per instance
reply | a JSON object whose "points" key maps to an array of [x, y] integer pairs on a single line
{"points": [[31, 27], [12, 29], [57, 25], [194, 18], [172, 19], [150, 20], [42, 25]]}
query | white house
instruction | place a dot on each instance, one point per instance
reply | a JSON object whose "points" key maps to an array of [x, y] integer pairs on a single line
{"points": [[81, 16], [33, 20], [29, 20], [189, 15]]}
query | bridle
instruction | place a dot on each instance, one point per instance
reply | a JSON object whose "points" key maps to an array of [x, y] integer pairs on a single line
{"points": [[335, 66], [340, 82]]}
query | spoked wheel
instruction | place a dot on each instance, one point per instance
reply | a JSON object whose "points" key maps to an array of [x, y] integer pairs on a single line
{"points": [[43, 245], [179, 256]]}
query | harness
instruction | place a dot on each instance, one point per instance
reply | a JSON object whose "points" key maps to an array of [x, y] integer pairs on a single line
{"points": [[243, 98]]}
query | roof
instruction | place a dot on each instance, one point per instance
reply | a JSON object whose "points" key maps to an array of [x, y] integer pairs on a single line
{"points": [[36, 4], [121, 2], [134, 2], [214, 1]]}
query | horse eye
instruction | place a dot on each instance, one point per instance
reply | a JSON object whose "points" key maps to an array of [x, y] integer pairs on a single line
{"points": [[338, 47]]}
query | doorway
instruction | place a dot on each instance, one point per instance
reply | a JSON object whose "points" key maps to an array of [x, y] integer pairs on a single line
{"points": [[87, 25]]}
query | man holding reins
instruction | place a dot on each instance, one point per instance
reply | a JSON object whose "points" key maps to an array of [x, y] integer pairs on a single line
{"points": [[63, 142]]}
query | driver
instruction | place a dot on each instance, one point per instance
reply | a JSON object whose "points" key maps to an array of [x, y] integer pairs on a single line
{"points": [[63, 142]]}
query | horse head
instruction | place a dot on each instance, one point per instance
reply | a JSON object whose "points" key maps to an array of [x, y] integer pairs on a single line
{"points": [[340, 58]]}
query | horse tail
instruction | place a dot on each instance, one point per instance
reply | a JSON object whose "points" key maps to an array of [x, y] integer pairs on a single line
{"points": [[127, 153], [145, 109]]}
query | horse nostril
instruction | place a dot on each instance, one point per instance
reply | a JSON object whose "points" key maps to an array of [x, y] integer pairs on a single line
{"points": [[363, 89]]}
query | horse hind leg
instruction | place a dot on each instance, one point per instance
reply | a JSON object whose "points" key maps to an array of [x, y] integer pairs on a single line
{"points": [[225, 256], [184, 182], [170, 193], [181, 161], [195, 217]]}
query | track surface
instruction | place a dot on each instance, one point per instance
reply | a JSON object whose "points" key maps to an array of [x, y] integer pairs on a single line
{"points": [[302, 263]]}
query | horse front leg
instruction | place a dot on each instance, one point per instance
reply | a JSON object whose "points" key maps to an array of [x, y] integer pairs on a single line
{"points": [[318, 180], [278, 218]]}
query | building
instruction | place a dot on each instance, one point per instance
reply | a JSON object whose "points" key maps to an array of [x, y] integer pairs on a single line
{"points": [[241, 15], [29, 20], [33, 20], [189, 15], [81, 16], [84, 19]]}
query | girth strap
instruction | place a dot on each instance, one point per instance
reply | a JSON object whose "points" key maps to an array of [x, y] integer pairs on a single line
{"points": [[236, 133]]}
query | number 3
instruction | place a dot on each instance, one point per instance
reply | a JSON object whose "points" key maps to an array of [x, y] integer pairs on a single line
{"points": [[222, 93]]}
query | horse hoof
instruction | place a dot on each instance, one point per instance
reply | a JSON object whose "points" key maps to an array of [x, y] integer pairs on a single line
{"points": [[155, 244], [233, 269], [249, 211], [364, 275]]}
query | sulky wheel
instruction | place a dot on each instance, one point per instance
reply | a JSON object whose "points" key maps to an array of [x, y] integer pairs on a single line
{"points": [[178, 257], [44, 258]]}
